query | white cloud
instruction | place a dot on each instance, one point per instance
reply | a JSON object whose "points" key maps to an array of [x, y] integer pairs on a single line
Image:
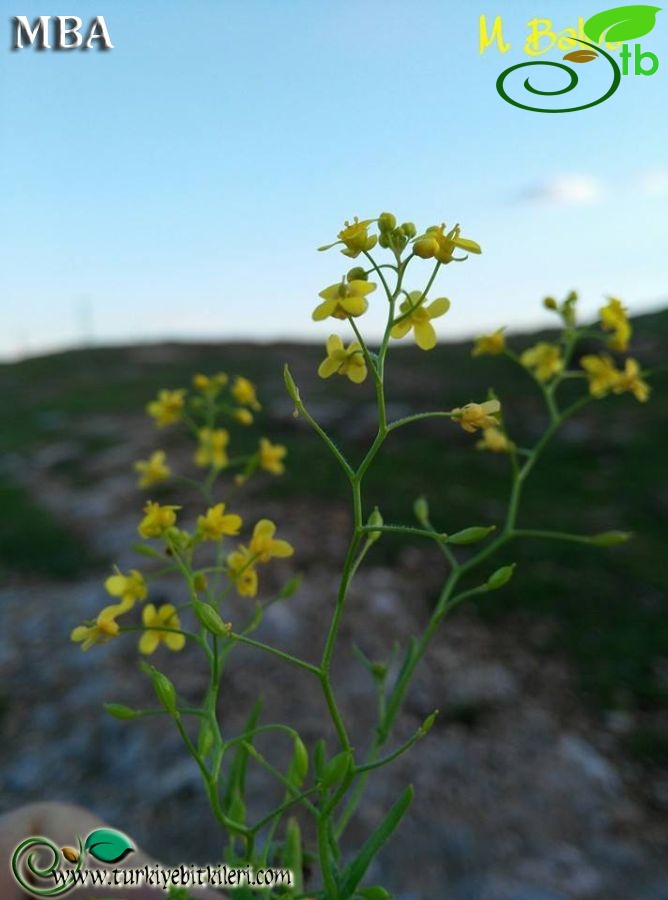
{"points": [[567, 189], [653, 182]]}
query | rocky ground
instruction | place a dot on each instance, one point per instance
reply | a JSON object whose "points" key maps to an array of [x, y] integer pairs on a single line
{"points": [[522, 792]]}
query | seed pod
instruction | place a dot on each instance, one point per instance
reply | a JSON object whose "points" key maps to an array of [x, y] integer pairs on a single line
{"points": [[299, 765], [290, 385], [421, 510], [502, 576], [610, 538], [164, 691], [471, 535], [375, 519], [210, 619], [118, 711]]}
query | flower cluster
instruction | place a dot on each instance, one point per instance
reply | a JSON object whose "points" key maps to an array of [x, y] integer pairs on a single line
{"points": [[213, 399]]}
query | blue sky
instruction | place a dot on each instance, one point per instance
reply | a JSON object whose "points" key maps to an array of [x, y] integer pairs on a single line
{"points": [[178, 185]]}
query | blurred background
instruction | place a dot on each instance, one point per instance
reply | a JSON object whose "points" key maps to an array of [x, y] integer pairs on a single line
{"points": [[161, 206]]}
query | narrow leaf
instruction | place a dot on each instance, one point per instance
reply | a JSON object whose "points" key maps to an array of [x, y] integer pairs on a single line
{"points": [[355, 872]]}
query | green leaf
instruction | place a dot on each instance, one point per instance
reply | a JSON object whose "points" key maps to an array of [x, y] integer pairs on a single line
{"points": [[108, 845], [355, 872], [292, 854], [299, 765], [237, 776], [623, 23], [337, 769]]}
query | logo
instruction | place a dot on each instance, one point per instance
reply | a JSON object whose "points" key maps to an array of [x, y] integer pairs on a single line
{"points": [[104, 844], [612, 28]]}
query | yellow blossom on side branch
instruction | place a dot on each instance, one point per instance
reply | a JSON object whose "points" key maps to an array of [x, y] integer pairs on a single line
{"points": [[212, 448], [242, 571], [436, 243], [417, 315], [601, 373], [630, 381], [264, 546], [167, 408], [489, 344], [104, 628], [494, 440], [272, 456], [343, 361], [245, 393], [153, 470], [543, 359], [344, 299], [129, 587], [154, 619], [216, 524], [614, 318], [210, 384], [243, 416], [157, 519], [473, 416], [355, 238]]}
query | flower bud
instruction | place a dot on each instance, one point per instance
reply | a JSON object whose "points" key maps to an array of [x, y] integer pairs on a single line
{"points": [[118, 711], [357, 273], [471, 535], [210, 619], [199, 582], [425, 247], [550, 303], [409, 229], [384, 239], [290, 587], [337, 768], [502, 576], [299, 765], [290, 386], [421, 510], [428, 724], [610, 538], [386, 222], [374, 520]]}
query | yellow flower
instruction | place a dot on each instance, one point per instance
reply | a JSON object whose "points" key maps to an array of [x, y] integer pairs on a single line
{"points": [[210, 384], [212, 449], [167, 408], [489, 344], [129, 587], [418, 316], [244, 392], [243, 416], [613, 318], [242, 572], [349, 362], [152, 470], [601, 373], [494, 440], [271, 457], [264, 546], [630, 380], [436, 243], [344, 299], [104, 628], [545, 360], [157, 619], [157, 520], [215, 523], [477, 415], [356, 238]]}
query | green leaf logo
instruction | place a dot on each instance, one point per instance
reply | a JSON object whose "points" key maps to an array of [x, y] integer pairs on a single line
{"points": [[107, 845], [623, 23]]}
